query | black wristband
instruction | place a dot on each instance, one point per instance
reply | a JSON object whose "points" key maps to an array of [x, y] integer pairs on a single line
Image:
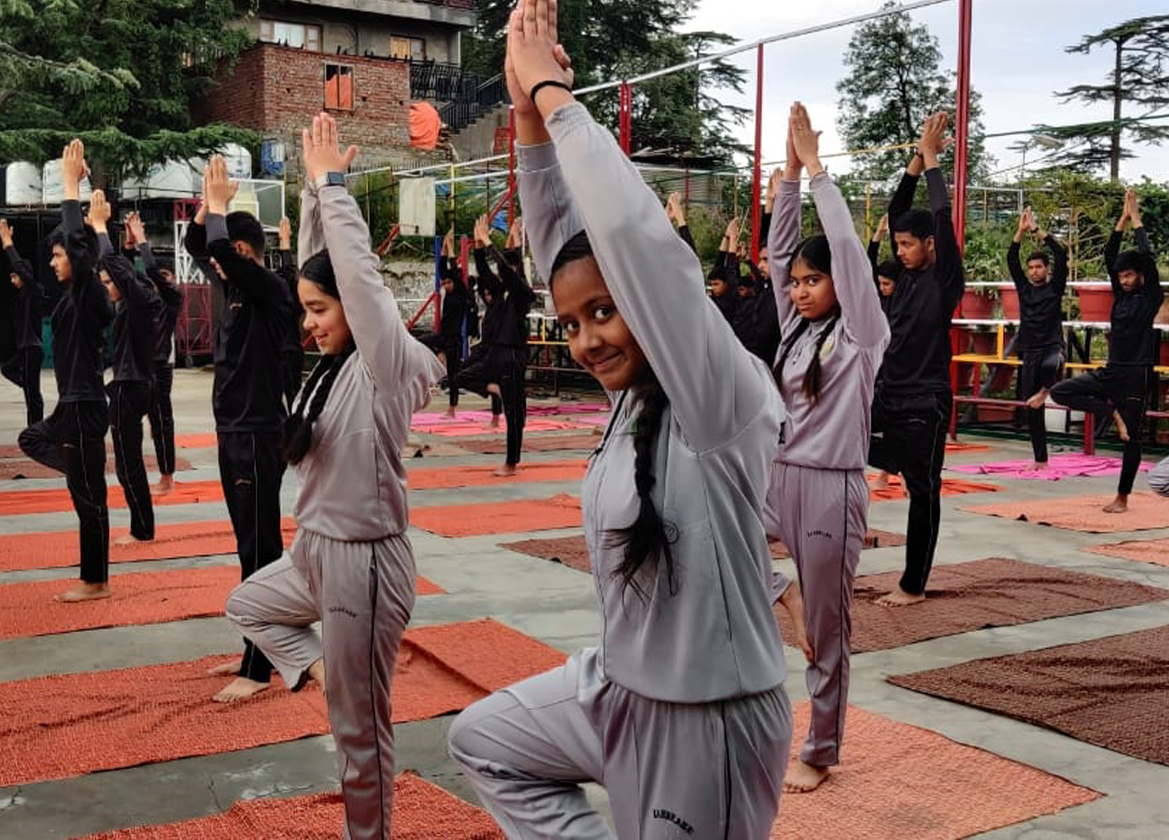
{"points": [[547, 83]]}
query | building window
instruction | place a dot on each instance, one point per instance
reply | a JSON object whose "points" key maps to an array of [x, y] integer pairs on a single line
{"points": [[300, 35], [407, 49], [339, 87]]}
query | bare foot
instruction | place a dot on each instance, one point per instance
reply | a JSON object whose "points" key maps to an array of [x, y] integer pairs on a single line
{"points": [[1117, 505], [882, 481], [241, 688], [1121, 428], [803, 778], [1038, 466], [505, 470], [494, 424], [793, 602], [450, 412], [85, 592], [128, 539], [316, 672], [900, 598], [493, 388], [166, 484], [1038, 399], [227, 669]]}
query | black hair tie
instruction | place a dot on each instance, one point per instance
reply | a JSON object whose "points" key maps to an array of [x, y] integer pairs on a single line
{"points": [[547, 83]]}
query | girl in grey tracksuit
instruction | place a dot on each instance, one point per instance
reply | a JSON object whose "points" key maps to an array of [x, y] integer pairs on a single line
{"points": [[680, 711], [818, 500], [351, 566]]}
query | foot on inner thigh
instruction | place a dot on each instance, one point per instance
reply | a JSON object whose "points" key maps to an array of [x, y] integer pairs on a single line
{"points": [[803, 778], [85, 592], [1117, 505], [316, 672], [900, 598], [240, 688], [227, 668], [1121, 428], [1038, 399]]}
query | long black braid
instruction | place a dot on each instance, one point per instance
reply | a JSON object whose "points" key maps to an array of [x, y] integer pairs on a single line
{"points": [[297, 432], [649, 538], [813, 374]]}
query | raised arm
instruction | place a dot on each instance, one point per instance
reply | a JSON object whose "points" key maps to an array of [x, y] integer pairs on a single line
{"points": [[785, 235], [1152, 277], [947, 253], [394, 358], [16, 265]]}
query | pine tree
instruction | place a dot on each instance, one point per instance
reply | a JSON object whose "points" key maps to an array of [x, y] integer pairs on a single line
{"points": [[1139, 77], [612, 39], [894, 82], [120, 74]]}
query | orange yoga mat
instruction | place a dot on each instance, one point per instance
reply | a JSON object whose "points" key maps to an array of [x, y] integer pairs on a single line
{"points": [[58, 549], [1085, 513], [1143, 551], [28, 609], [473, 429], [955, 446], [896, 780], [422, 811], [69, 725], [562, 511], [14, 502], [950, 487], [199, 441], [16, 468], [442, 478]]}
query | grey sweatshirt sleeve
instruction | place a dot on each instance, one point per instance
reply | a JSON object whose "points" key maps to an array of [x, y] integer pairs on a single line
{"points": [[310, 235], [781, 241], [394, 358], [558, 220], [852, 277], [715, 386]]}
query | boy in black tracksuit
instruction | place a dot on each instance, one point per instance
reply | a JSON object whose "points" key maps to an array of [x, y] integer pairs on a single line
{"points": [[248, 390], [509, 355], [293, 355], [1040, 325], [72, 438], [137, 310], [911, 408], [1121, 387], [448, 341], [24, 368], [477, 375]]}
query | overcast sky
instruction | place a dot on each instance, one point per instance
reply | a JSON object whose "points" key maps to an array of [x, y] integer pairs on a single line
{"points": [[1017, 62]]}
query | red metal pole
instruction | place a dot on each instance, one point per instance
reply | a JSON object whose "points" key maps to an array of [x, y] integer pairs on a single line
{"points": [[625, 121], [755, 188], [510, 166], [962, 120]]}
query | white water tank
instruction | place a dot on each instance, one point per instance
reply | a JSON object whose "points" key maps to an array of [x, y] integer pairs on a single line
{"points": [[22, 184], [52, 188], [239, 161], [173, 179]]}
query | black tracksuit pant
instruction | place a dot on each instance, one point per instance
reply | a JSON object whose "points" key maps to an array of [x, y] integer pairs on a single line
{"points": [[129, 402], [476, 375], [1121, 388], [72, 440], [1041, 369], [909, 437], [510, 365], [251, 470], [24, 371], [162, 417]]}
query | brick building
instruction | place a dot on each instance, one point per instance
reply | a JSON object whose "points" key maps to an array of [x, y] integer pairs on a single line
{"points": [[364, 61]]}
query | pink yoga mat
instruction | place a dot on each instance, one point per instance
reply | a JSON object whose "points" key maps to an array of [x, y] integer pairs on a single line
{"points": [[1058, 466]]}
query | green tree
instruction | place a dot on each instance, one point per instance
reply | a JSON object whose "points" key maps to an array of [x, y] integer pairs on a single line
{"points": [[894, 82], [121, 74], [678, 114], [1139, 77]]}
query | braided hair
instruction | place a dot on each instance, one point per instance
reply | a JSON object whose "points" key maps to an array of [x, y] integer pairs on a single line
{"points": [[815, 252], [649, 538], [297, 433]]}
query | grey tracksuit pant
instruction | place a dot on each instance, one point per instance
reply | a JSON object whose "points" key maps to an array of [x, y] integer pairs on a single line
{"points": [[822, 518], [1159, 478], [672, 770], [363, 594]]}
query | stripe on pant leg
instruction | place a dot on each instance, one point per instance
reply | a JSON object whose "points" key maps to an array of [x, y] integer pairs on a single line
{"points": [[374, 582]]}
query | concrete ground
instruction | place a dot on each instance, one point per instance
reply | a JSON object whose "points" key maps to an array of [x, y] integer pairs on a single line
{"points": [[557, 605]]}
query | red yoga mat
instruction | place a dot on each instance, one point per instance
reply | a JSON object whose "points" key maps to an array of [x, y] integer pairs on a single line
{"points": [[13, 502], [28, 609], [69, 725], [561, 511], [950, 487], [58, 549], [472, 429], [18, 468], [422, 811], [443, 478], [1085, 513]]}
